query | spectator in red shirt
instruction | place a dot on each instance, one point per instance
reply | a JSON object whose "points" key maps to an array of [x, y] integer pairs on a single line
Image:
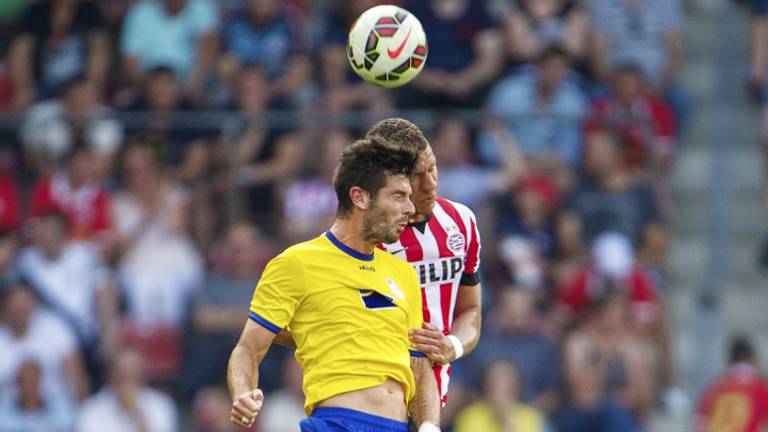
{"points": [[75, 192], [645, 124], [614, 269], [613, 264], [738, 400]]}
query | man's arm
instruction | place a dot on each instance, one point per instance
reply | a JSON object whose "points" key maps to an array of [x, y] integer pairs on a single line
{"points": [[243, 373], [425, 405], [466, 328]]}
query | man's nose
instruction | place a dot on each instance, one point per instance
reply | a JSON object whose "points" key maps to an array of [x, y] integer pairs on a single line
{"points": [[409, 207]]}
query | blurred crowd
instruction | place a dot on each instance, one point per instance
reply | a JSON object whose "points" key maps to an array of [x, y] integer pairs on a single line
{"points": [[167, 149]]}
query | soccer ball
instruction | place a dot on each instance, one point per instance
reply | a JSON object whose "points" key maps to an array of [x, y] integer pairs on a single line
{"points": [[387, 46]]}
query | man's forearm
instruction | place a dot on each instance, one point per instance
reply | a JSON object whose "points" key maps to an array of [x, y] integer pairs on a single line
{"points": [[243, 371], [467, 320], [425, 405]]}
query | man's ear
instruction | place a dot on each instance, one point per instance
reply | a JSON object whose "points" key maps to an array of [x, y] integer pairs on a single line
{"points": [[360, 197]]}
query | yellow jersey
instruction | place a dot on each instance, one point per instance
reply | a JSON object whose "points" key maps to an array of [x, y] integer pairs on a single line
{"points": [[349, 314]]}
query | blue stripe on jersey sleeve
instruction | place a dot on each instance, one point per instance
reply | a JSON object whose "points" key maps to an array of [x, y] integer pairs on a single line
{"points": [[263, 322], [417, 353]]}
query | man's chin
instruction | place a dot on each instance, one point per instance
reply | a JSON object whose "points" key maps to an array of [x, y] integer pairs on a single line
{"points": [[426, 207]]}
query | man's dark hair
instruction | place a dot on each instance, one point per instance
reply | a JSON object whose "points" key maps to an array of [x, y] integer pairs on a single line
{"points": [[400, 131], [741, 350], [366, 164]]}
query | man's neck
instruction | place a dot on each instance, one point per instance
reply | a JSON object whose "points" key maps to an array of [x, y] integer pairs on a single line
{"points": [[19, 330], [350, 234], [418, 217]]}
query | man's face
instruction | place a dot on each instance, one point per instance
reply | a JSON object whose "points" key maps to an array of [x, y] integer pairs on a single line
{"points": [[19, 306], [629, 86], [387, 214], [553, 72], [424, 182]]}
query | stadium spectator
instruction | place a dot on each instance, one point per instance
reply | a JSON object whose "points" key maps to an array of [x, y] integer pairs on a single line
{"points": [[159, 268], [270, 34], [738, 399], [500, 408], [285, 409], [610, 198], [309, 204], [596, 371], [27, 407], [58, 41], [70, 278], [162, 98], [342, 88], [217, 308], [644, 123], [646, 33], [460, 178], [527, 213], [515, 335], [613, 267], [180, 34], [527, 243], [126, 404], [76, 193], [542, 110], [263, 155], [53, 127], [30, 332], [465, 54], [531, 26]]}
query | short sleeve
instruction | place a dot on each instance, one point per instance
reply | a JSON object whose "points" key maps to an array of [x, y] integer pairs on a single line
{"points": [[206, 17], [278, 293], [472, 259]]}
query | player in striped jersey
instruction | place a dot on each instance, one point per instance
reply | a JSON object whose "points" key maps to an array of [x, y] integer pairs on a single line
{"points": [[442, 243]]}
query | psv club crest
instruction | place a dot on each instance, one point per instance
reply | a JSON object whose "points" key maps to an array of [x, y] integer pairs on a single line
{"points": [[455, 241]]}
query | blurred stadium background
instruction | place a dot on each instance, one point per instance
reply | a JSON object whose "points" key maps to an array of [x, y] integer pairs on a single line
{"points": [[154, 155]]}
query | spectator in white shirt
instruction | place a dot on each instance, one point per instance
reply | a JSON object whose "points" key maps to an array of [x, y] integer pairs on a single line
{"points": [[70, 278], [27, 408], [126, 404], [30, 332]]}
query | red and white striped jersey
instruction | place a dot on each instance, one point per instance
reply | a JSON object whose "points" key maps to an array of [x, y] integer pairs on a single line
{"points": [[445, 251]]}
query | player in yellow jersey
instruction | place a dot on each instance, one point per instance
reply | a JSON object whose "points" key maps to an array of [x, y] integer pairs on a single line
{"points": [[349, 307]]}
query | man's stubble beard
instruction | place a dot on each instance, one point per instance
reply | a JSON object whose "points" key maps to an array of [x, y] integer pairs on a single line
{"points": [[375, 228]]}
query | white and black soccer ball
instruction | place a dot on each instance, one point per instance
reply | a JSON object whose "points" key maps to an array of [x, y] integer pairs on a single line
{"points": [[387, 46]]}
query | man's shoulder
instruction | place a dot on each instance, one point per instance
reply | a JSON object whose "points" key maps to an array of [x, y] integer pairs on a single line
{"points": [[445, 203], [456, 210], [311, 246], [304, 252]]}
